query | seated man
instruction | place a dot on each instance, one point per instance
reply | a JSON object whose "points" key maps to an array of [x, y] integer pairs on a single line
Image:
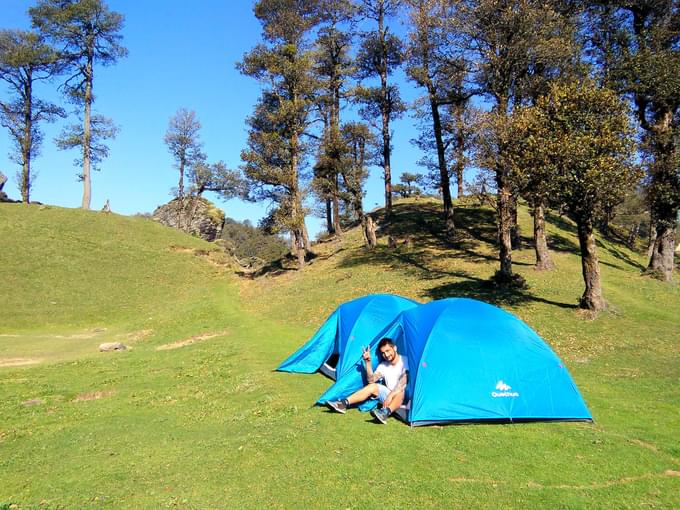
{"points": [[393, 370]]}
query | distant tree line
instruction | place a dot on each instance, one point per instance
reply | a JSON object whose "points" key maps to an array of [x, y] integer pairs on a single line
{"points": [[538, 96], [68, 39], [567, 105]]}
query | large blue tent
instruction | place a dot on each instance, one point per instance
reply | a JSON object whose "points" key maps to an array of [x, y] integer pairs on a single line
{"points": [[471, 361], [337, 346]]}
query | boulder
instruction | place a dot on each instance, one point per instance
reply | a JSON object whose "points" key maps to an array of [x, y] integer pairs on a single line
{"points": [[194, 215], [112, 346], [3, 195]]}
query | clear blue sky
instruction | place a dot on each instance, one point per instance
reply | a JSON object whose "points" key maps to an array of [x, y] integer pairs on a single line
{"points": [[181, 54]]}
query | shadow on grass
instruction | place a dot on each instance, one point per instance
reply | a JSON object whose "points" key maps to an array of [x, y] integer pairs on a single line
{"points": [[284, 265], [484, 290], [620, 255]]}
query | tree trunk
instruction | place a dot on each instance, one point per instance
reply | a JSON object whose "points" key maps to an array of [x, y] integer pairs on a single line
{"points": [[329, 216], [335, 138], [336, 206], [180, 184], [386, 161], [300, 239], [369, 232], [592, 297], [663, 251], [633, 235], [384, 110], [504, 225], [543, 260], [459, 167], [299, 247], [87, 134], [449, 223], [305, 237], [652, 239], [27, 142]]}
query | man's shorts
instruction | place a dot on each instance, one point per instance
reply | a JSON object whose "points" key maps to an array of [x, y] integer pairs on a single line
{"points": [[382, 392]]}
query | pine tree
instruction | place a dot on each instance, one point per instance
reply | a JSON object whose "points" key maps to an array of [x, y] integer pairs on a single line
{"points": [[437, 64], [86, 33], [276, 152], [25, 59], [380, 53], [333, 67]]}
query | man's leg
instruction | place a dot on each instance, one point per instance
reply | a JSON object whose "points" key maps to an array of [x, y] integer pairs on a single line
{"points": [[394, 401], [368, 391], [390, 403]]}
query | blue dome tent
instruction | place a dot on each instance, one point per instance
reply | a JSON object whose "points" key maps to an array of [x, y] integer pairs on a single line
{"points": [[471, 361], [337, 345]]}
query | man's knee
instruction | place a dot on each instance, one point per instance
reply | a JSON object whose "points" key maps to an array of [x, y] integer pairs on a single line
{"points": [[396, 400], [373, 388]]}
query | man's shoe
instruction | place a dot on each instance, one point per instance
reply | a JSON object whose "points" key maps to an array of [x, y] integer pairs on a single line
{"points": [[337, 405], [381, 414]]}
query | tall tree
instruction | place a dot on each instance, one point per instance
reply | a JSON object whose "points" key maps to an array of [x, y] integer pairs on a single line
{"points": [[24, 60], [183, 141], [358, 151], [380, 53], [436, 63], [276, 150], [333, 68], [580, 138], [86, 33], [640, 46]]}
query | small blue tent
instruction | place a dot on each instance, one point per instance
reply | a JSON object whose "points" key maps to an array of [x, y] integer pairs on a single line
{"points": [[337, 345], [471, 361]]}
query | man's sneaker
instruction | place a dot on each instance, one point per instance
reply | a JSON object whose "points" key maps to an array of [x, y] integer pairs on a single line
{"points": [[381, 414], [337, 405]]}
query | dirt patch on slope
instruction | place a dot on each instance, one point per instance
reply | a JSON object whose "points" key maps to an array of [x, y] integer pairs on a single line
{"points": [[92, 395], [190, 341], [19, 362]]}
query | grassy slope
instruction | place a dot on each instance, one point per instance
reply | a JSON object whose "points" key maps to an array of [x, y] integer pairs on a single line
{"points": [[210, 425]]}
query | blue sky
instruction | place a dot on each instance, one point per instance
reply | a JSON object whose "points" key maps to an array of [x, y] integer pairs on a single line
{"points": [[181, 55]]}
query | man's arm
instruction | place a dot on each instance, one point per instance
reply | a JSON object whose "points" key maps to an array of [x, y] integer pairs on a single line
{"points": [[370, 375]]}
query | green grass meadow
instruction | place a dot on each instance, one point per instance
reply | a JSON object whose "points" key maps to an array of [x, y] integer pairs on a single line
{"points": [[193, 415]]}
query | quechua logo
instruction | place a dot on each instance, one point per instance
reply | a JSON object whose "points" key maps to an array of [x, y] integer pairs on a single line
{"points": [[504, 390]]}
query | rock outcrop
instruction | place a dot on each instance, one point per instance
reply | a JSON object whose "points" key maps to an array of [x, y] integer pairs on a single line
{"points": [[3, 195], [194, 215]]}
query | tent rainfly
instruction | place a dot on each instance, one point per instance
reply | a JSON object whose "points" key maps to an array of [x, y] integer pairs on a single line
{"points": [[337, 346], [471, 361]]}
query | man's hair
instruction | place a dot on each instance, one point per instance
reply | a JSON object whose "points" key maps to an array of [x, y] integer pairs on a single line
{"points": [[384, 342]]}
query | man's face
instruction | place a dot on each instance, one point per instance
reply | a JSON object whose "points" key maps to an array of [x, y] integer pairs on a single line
{"points": [[388, 352]]}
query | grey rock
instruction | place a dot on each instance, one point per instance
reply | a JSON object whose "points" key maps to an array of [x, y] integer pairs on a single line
{"points": [[112, 346], [194, 215]]}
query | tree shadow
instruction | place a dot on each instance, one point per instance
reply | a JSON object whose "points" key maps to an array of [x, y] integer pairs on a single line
{"points": [[620, 255], [484, 290], [557, 242], [561, 222]]}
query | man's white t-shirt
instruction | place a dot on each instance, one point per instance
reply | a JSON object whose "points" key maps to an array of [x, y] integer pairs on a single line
{"points": [[392, 373]]}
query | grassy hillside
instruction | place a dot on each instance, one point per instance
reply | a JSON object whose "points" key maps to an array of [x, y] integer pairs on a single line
{"points": [[194, 417]]}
